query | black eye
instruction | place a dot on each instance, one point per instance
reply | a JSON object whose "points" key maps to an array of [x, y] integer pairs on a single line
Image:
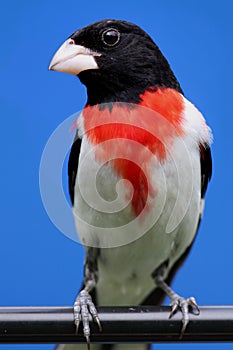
{"points": [[110, 37]]}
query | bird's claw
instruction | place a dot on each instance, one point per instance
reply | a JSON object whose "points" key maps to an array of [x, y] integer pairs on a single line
{"points": [[184, 305], [83, 309], [99, 324], [88, 342]]}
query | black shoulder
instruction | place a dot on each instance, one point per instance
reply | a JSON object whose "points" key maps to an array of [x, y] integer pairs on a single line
{"points": [[206, 167], [73, 165]]}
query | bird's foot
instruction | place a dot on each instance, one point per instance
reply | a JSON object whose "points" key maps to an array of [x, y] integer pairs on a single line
{"points": [[184, 305], [83, 309]]}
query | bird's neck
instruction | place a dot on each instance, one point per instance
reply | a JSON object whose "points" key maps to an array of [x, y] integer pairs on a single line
{"points": [[107, 88]]}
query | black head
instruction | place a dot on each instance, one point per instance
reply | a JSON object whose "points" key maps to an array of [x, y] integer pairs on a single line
{"points": [[122, 62]]}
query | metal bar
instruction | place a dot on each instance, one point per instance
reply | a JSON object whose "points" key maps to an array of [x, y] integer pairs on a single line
{"points": [[145, 324]]}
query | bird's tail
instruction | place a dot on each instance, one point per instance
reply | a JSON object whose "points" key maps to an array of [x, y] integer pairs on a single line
{"points": [[104, 347]]}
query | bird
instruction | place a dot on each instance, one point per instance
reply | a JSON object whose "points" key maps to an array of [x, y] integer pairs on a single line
{"points": [[138, 172]]}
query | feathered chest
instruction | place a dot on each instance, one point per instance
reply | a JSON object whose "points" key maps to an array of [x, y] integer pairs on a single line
{"points": [[134, 139]]}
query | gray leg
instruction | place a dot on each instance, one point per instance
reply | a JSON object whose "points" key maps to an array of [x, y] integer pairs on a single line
{"points": [[84, 306], [177, 302]]}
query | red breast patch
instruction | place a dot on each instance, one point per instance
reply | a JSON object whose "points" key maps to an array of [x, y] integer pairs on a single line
{"points": [[129, 136]]}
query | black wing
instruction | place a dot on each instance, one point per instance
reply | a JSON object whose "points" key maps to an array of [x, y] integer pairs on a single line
{"points": [[73, 165], [206, 167], [157, 295]]}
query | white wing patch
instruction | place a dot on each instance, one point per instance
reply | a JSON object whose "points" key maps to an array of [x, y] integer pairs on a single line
{"points": [[195, 125]]}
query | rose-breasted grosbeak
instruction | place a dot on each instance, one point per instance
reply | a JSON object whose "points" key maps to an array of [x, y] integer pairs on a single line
{"points": [[138, 169]]}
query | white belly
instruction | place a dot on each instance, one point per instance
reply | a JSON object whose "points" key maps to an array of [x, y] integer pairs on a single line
{"points": [[134, 247]]}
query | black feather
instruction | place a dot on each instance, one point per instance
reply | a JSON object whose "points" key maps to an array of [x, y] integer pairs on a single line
{"points": [[206, 167], [127, 69], [73, 165]]}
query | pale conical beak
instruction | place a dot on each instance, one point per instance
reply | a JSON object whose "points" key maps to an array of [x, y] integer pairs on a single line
{"points": [[73, 59]]}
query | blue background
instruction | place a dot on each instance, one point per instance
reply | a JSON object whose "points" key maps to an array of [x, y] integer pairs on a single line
{"points": [[39, 265]]}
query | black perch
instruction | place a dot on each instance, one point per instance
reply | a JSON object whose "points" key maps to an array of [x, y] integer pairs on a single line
{"points": [[141, 324]]}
